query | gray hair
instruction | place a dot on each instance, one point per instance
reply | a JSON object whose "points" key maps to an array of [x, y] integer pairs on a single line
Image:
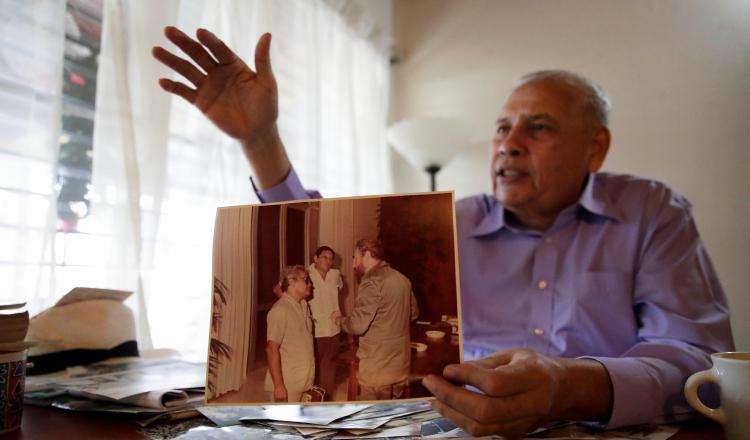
{"points": [[594, 98], [291, 273]]}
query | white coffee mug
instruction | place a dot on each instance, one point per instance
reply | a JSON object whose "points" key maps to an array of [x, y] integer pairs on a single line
{"points": [[731, 372]]}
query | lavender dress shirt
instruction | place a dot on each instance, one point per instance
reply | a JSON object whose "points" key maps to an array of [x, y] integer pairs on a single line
{"points": [[621, 277]]}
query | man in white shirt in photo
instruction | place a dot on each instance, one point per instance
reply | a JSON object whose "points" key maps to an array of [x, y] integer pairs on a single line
{"points": [[327, 283]]}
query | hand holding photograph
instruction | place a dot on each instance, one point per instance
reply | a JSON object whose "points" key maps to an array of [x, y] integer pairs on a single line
{"points": [[334, 300]]}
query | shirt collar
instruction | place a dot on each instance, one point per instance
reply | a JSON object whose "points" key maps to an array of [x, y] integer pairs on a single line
{"points": [[596, 201], [493, 220], [314, 272], [593, 200], [381, 263], [291, 299]]}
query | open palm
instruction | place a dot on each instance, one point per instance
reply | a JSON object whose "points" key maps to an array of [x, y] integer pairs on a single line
{"points": [[241, 102]]}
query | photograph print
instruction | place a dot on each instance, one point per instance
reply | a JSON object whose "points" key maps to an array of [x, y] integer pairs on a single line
{"points": [[333, 300]]}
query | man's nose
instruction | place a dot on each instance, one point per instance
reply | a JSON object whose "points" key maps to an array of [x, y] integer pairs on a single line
{"points": [[509, 150], [511, 144]]}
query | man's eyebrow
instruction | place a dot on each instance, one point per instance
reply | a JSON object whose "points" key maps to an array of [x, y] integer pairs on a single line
{"points": [[504, 120], [530, 117], [538, 116]]}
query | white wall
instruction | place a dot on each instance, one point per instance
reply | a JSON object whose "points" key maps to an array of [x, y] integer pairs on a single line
{"points": [[678, 72]]}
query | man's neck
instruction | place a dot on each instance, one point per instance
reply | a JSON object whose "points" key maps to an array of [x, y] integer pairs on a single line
{"points": [[542, 220], [530, 222], [294, 297], [322, 272], [371, 264]]}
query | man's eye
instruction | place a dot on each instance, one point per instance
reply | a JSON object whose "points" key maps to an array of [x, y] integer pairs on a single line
{"points": [[503, 129], [538, 127]]}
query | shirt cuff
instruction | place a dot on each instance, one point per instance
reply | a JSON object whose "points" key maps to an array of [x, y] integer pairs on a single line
{"points": [[289, 189], [638, 390]]}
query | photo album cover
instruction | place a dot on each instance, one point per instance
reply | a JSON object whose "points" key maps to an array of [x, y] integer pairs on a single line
{"points": [[333, 300]]}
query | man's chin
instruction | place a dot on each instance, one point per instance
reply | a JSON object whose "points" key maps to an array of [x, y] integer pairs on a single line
{"points": [[510, 200]]}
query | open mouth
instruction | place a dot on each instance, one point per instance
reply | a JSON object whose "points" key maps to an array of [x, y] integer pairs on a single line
{"points": [[509, 174]]}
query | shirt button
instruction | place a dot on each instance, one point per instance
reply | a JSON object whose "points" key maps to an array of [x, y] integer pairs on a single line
{"points": [[538, 331], [542, 284], [549, 240]]}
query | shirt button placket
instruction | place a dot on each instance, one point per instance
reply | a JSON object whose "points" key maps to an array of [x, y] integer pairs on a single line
{"points": [[543, 277]]}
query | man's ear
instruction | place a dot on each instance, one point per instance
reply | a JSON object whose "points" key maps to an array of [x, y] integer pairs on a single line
{"points": [[599, 148]]}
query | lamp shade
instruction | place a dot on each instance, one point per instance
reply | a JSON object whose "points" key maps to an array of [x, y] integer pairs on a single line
{"points": [[429, 141]]}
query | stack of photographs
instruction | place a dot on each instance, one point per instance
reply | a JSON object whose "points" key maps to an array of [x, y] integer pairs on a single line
{"points": [[345, 422]]}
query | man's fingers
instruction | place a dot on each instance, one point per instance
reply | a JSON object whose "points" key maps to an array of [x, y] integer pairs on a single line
{"points": [[495, 359], [178, 88], [192, 48], [219, 50], [510, 429], [468, 424], [263, 56], [477, 405], [473, 374], [183, 67], [503, 381]]}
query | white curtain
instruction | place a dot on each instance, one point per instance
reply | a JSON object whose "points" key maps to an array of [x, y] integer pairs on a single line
{"points": [[336, 220], [234, 299], [160, 169], [31, 60]]}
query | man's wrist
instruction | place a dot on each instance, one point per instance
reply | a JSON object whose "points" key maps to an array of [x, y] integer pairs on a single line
{"points": [[585, 391], [267, 157]]}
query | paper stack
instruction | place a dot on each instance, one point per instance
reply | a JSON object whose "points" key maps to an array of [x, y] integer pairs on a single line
{"points": [[345, 422], [143, 390], [14, 323], [393, 420]]}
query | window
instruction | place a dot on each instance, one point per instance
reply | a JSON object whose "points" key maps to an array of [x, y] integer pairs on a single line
{"points": [[109, 182], [83, 29]]}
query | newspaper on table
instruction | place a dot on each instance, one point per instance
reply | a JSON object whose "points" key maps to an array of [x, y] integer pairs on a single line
{"points": [[408, 419], [156, 384]]}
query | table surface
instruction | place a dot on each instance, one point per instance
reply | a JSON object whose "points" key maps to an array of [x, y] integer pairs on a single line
{"points": [[440, 352], [48, 423], [40, 423]]}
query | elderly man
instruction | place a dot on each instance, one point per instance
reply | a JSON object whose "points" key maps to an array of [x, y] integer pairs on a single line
{"points": [[601, 277], [384, 308], [289, 340]]}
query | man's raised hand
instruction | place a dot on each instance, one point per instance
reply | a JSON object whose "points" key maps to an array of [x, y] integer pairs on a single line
{"points": [[241, 102]]}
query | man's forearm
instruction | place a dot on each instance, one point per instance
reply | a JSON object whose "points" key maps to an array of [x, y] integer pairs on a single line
{"points": [[274, 365], [585, 391], [267, 157]]}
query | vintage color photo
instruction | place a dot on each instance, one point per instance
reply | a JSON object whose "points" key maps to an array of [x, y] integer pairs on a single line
{"points": [[333, 300]]}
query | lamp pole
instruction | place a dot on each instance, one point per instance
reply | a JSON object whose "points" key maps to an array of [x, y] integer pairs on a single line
{"points": [[432, 170]]}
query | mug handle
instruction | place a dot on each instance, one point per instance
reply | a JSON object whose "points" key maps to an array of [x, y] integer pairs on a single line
{"points": [[691, 393]]}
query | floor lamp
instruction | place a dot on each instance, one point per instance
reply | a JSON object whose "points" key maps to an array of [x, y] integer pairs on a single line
{"points": [[429, 143]]}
